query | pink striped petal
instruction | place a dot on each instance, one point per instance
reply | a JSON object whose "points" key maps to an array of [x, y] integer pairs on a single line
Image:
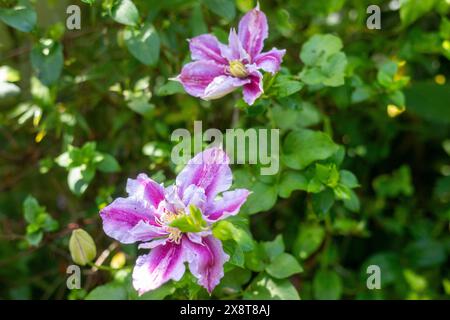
{"points": [[235, 50], [129, 220], [153, 244], [173, 201], [254, 89], [195, 196], [206, 261], [209, 170], [196, 76], [270, 61], [144, 231], [253, 30], [206, 47], [221, 86], [163, 263], [144, 188], [228, 205]]}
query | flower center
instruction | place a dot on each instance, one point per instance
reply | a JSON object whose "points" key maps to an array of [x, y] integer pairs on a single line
{"points": [[237, 69], [174, 233]]}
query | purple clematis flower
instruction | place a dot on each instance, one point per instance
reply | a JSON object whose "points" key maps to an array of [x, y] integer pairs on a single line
{"points": [[219, 69], [148, 213]]}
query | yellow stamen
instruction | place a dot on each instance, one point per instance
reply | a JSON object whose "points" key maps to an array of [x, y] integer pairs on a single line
{"points": [[237, 69], [174, 234]]}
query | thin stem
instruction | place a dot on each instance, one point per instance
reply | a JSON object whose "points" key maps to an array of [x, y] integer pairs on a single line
{"points": [[96, 267]]}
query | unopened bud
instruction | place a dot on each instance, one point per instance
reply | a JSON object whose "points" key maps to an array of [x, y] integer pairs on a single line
{"points": [[82, 247]]}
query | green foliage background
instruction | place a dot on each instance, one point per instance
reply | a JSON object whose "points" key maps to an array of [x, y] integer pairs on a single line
{"points": [[364, 118]]}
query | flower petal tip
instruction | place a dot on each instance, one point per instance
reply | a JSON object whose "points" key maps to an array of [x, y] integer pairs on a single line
{"points": [[177, 79]]}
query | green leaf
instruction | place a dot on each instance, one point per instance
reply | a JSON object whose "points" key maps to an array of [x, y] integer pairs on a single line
{"points": [[309, 239], [47, 61], [169, 88], [446, 285], [31, 209], [108, 163], [143, 44], [442, 189], [291, 181], [125, 12], [397, 97], [303, 147], [323, 201], [41, 93], [110, 291], [274, 248], [330, 73], [327, 174], [235, 252], [426, 253], [285, 86], [411, 10], [361, 94], [22, 17], [320, 47], [264, 287], [352, 203], [348, 179], [395, 184], [159, 293], [327, 285], [197, 22], [235, 279], [34, 238], [8, 90], [444, 28], [79, 178], [263, 198], [386, 73], [38, 221], [64, 160], [416, 282], [141, 105], [283, 266], [49, 224], [334, 70], [342, 192], [296, 118], [429, 101], [325, 63], [225, 230], [223, 8], [256, 260]]}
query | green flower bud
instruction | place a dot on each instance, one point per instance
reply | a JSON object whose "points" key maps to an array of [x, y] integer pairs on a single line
{"points": [[82, 247]]}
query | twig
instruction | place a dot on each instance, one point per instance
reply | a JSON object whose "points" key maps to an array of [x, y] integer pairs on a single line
{"points": [[103, 256]]}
